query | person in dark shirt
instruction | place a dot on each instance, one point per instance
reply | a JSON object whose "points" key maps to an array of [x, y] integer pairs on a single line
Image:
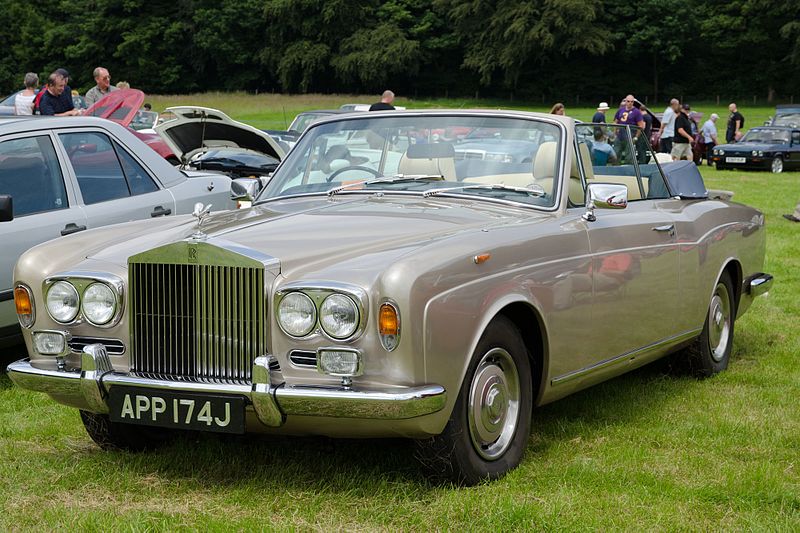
{"points": [[683, 140], [386, 102], [600, 115], [52, 102], [735, 124]]}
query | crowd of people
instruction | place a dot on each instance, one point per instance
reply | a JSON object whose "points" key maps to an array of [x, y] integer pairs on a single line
{"points": [[678, 132], [55, 97]]}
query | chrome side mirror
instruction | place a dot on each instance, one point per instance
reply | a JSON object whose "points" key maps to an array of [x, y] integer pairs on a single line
{"points": [[245, 188], [604, 196]]}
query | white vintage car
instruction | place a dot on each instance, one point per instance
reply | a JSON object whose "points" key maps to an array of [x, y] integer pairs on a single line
{"points": [[389, 283]]}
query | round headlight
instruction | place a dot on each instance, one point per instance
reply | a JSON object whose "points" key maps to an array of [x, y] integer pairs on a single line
{"points": [[99, 303], [754, 152], [62, 301], [297, 314], [338, 315], [761, 153]]}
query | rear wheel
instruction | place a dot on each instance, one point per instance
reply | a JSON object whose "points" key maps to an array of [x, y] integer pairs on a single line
{"points": [[490, 423], [777, 165], [710, 352], [115, 436]]}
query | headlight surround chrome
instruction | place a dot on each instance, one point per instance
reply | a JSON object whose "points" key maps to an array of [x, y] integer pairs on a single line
{"points": [[63, 302], [88, 311], [297, 314], [99, 303], [339, 316]]}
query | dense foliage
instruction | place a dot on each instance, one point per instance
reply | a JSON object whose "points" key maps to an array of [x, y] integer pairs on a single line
{"points": [[554, 49]]}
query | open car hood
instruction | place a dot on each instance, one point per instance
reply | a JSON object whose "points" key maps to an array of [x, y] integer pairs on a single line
{"points": [[197, 129], [120, 106]]}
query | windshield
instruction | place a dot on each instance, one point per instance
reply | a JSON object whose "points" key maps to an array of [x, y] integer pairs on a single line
{"points": [[790, 119], [766, 136], [302, 121], [420, 153]]}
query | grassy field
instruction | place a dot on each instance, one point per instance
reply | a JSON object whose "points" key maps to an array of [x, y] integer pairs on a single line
{"points": [[646, 451], [276, 111]]}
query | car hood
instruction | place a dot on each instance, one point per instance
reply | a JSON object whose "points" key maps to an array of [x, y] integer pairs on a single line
{"points": [[748, 147], [120, 106], [197, 129], [310, 234]]}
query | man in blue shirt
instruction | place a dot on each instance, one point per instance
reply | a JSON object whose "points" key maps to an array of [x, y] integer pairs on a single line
{"points": [[53, 102]]}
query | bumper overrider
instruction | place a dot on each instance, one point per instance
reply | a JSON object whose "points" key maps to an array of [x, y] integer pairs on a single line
{"points": [[90, 385]]}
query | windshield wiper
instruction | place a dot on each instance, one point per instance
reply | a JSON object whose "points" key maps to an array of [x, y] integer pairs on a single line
{"points": [[532, 190], [398, 178]]}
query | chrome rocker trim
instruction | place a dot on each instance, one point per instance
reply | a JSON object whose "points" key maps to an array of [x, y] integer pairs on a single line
{"points": [[89, 387]]}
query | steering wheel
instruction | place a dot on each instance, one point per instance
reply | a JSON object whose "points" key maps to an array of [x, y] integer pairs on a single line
{"points": [[353, 167]]}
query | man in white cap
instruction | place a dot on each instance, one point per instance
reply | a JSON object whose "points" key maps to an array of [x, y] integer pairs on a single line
{"points": [[709, 132], [600, 116]]}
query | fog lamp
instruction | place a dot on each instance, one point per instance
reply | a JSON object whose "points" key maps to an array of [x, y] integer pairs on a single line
{"points": [[339, 362], [50, 342], [23, 301]]}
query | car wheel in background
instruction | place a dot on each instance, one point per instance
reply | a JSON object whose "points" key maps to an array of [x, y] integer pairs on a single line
{"points": [[777, 165], [710, 352], [115, 436], [491, 420]]}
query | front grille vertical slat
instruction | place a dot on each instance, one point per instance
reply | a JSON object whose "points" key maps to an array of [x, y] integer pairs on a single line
{"points": [[196, 322]]}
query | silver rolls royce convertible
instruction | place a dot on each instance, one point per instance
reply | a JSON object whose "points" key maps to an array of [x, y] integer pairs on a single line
{"points": [[387, 282]]}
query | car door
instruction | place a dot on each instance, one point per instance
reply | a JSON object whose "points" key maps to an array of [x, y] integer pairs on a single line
{"points": [[44, 205], [112, 184], [635, 257], [793, 154]]}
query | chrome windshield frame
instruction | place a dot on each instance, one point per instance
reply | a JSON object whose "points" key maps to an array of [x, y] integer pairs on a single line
{"points": [[561, 158]]}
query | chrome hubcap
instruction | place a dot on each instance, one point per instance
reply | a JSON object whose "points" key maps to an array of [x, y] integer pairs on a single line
{"points": [[719, 323], [777, 165], [493, 410]]}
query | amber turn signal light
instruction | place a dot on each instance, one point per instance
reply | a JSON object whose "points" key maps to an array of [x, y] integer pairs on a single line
{"points": [[24, 305], [388, 321]]}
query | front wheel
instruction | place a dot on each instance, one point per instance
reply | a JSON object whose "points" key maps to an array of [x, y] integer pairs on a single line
{"points": [[115, 436], [777, 165], [490, 423], [710, 352]]}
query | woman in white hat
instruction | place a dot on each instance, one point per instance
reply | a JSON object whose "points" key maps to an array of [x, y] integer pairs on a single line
{"points": [[600, 116]]}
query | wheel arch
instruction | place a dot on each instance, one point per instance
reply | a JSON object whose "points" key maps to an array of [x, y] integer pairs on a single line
{"points": [[734, 269], [529, 321]]}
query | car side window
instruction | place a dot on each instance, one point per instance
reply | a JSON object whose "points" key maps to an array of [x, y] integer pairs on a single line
{"points": [[30, 173], [139, 180], [96, 166]]}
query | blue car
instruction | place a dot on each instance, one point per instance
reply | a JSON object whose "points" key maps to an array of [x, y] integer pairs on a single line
{"points": [[771, 148]]}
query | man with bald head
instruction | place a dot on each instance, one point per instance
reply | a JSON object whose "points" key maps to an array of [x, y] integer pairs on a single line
{"points": [[386, 102], [103, 80], [735, 124], [627, 115]]}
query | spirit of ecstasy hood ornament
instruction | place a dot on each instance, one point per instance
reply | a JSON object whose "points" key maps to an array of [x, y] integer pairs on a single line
{"points": [[200, 212]]}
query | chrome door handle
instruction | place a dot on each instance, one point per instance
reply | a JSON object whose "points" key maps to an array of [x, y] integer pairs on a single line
{"points": [[670, 228]]}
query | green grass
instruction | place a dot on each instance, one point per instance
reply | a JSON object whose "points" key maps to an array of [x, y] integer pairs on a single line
{"points": [[646, 451], [276, 111]]}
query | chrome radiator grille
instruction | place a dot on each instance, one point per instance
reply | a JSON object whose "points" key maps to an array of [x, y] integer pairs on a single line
{"points": [[196, 322]]}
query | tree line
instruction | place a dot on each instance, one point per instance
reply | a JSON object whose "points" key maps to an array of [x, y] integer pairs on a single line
{"points": [[550, 49]]}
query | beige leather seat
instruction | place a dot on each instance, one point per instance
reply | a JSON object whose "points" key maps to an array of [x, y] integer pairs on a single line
{"points": [[435, 159]]}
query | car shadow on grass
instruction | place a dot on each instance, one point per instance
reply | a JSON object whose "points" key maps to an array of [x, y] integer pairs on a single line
{"points": [[334, 465]]}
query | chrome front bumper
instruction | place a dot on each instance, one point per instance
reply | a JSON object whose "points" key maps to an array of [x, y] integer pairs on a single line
{"points": [[759, 284], [272, 403]]}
